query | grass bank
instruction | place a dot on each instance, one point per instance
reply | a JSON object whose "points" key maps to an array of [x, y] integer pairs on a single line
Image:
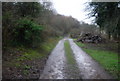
{"points": [[26, 63], [108, 59]]}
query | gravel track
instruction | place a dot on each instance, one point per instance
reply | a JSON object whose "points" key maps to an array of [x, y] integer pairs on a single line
{"points": [[56, 64]]}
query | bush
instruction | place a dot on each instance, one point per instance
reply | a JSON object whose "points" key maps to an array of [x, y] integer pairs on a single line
{"points": [[27, 33]]}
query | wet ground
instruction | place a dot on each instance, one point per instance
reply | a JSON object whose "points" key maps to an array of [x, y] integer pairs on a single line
{"points": [[54, 68], [87, 68]]}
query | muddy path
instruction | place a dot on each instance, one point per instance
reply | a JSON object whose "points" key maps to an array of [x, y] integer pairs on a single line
{"points": [[54, 68], [87, 67]]}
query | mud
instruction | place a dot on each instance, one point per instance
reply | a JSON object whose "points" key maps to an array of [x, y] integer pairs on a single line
{"points": [[87, 68], [54, 68]]}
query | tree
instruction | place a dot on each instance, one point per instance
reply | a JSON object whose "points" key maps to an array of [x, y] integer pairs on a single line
{"points": [[27, 33], [14, 12], [107, 16]]}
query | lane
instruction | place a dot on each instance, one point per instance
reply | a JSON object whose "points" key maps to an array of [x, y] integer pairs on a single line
{"points": [[89, 69], [54, 68]]}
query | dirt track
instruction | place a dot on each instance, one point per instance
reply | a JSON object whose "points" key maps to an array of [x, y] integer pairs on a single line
{"points": [[56, 64]]}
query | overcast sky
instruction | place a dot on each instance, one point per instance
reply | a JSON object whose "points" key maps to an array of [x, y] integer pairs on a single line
{"points": [[74, 8]]}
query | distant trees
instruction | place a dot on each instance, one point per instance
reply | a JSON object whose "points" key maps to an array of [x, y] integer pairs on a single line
{"points": [[85, 28], [89, 28], [63, 24], [30, 23], [56, 24], [107, 16]]}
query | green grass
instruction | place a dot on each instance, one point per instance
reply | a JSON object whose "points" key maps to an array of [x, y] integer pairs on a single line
{"points": [[69, 53], [80, 44], [108, 59], [33, 54], [29, 55], [72, 69]]}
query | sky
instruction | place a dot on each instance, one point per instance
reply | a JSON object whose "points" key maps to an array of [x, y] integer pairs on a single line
{"points": [[74, 8]]}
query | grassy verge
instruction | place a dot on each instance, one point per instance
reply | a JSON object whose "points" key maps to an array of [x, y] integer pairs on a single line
{"points": [[71, 67], [69, 53], [22, 60], [108, 59], [31, 54]]}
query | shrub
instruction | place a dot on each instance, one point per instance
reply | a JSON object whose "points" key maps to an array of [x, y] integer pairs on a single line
{"points": [[27, 33]]}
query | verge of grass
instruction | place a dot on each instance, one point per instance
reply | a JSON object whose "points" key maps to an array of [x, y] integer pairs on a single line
{"points": [[80, 44], [71, 67], [69, 53], [28, 54], [108, 59]]}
